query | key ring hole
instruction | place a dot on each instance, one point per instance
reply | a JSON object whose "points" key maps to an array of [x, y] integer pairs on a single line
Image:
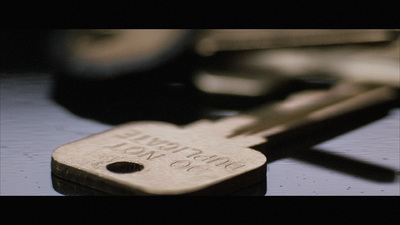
{"points": [[124, 167]]}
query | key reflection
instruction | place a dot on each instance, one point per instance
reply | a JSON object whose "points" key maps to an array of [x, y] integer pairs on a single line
{"points": [[73, 189]]}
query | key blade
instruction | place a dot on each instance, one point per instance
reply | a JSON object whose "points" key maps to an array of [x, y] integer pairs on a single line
{"points": [[298, 106], [376, 97], [301, 110], [295, 107]]}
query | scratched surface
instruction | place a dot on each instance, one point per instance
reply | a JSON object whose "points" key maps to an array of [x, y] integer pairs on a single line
{"points": [[361, 162]]}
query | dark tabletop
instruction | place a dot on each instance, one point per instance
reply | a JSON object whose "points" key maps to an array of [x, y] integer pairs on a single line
{"points": [[33, 125]]}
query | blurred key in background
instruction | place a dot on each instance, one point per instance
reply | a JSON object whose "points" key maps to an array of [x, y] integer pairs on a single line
{"points": [[121, 72]]}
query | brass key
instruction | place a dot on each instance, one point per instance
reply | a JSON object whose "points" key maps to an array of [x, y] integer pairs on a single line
{"points": [[205, 157]]}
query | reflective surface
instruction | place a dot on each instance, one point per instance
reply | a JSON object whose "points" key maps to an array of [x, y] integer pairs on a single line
{"points": [[364, 161]]}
